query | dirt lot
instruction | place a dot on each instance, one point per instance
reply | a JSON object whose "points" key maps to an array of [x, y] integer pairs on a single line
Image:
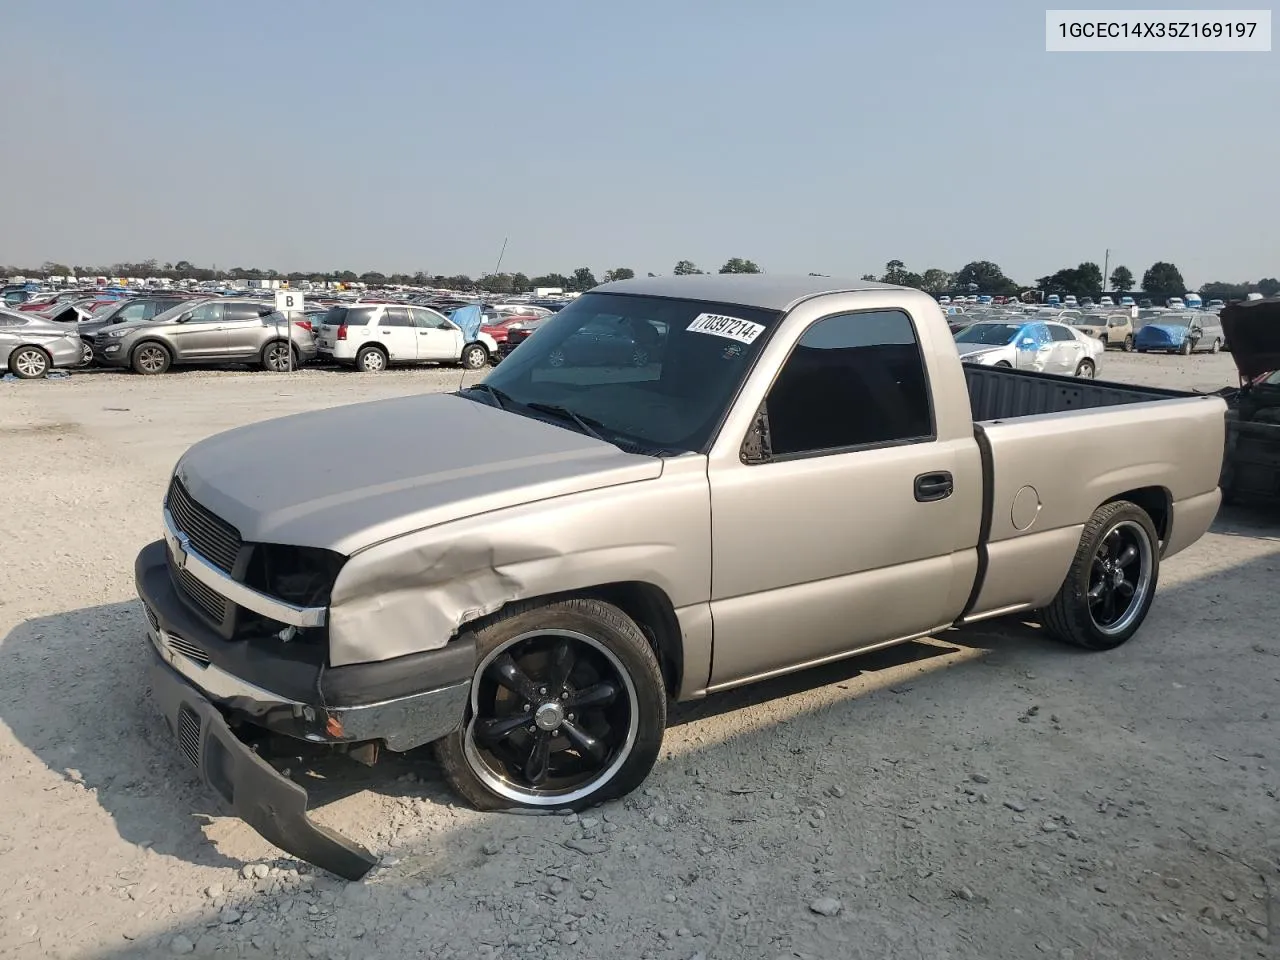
{"points": [[988, 794]]}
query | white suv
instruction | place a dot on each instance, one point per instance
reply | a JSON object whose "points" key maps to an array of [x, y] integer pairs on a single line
{"points": [[372, 337]]}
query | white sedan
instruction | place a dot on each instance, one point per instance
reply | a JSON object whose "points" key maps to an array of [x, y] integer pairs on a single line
{"points": [[1044, 347], [31, 346]]}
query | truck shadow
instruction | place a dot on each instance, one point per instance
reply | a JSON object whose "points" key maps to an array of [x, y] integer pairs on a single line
{"points": [[102, 735]]}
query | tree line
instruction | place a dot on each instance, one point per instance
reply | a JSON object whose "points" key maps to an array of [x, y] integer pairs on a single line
{"points": [[1160, 281]]}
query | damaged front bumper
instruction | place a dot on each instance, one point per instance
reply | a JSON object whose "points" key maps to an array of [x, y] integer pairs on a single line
{"points": [[205, 687]]}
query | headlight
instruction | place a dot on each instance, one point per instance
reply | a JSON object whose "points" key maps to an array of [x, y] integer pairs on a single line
{"points": [[303, 576], [118, 333]]}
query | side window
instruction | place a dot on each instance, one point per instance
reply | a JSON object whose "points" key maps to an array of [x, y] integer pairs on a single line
{"points": [[426, 319], [141, 310], [853, 379], [396, 317], [1038, 332], [207, 313], [1061, 333], [241, 311], [359, 316]]}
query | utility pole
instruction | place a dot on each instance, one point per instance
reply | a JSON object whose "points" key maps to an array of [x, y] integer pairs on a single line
{"points": [[1106, 262]]}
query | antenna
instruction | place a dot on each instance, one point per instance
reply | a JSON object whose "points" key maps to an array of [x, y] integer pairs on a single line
{"points": [[502, 253]]}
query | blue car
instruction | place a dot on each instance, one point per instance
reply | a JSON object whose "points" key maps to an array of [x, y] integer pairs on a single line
{"points": [[1181, 334]]}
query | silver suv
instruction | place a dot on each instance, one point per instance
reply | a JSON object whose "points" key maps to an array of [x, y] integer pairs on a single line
{"points": [[216, 330]]}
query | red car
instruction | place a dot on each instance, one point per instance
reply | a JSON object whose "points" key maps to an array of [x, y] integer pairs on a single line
{"points": [[500, 329]]}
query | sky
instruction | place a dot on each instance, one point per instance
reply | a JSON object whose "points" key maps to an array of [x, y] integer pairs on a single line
{"points": [[403, 135]]}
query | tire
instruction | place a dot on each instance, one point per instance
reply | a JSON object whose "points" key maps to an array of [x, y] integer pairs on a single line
{"points": [[1127, 346], [1005, 364], [475, 356], [30, 363], [1185, 349], [278, 356], [640, 357], [1217, 346], [371, 360], [1086, 369], [1113, 531], [556, 357], [86, 355], [150, 359], [610, 654]]}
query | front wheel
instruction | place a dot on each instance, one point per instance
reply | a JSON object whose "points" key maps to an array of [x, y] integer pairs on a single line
{"points": [[86, 355], [475, 356], [567, 709], [1185, 349], [1217, 346], [151, 359], [1112, 579], [1004, 364], [1127, 346], [1085, 369]]}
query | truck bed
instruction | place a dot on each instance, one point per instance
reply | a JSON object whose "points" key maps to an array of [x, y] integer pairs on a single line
{"points": [[998, 393]]}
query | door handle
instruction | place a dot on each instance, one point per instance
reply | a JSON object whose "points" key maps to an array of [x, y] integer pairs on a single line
{"points": [[423, 333], [934, 486]]}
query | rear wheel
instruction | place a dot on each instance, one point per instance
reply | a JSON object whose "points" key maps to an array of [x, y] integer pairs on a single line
{"points": [[279, 357], [29, 363], [371, 360], [567, 709], [150, 359], [1112, 580], [1005, 364], [1217, 345], [1127, 346], [86, 354], [1085, 369], [1185, 349]]}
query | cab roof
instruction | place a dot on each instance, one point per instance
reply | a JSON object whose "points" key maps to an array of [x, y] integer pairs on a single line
{"points": [[766, 291]]}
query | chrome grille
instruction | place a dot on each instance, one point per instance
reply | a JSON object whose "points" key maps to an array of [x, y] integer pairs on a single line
{"points": [[213, 538], [188, 649], [207, 601], [189, 734]]}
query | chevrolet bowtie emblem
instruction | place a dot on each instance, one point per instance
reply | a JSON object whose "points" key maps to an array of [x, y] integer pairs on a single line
{"points": [[181, 544]]}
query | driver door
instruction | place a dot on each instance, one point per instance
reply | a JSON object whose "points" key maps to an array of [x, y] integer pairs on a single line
{"points": [[1035, 347], [438, 339], [202, 335]]}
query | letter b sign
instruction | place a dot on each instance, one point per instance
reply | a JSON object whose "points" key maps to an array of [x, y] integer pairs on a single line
{"points": [[288, 301]]}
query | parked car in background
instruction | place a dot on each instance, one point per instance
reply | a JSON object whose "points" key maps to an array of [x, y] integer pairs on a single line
{"points": [[1039, 346], [518, 336], [1112, 330], [1251, 466], [373, 337], [1181, 332], [215, 330], [31, 346], [526, 572]]}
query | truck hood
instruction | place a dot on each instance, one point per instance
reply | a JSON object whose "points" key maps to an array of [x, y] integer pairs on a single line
{"points": [[346, 478], [1252, 330]]}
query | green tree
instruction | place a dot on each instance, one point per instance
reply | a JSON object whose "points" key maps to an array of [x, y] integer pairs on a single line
{"points": [[583, 279], [871, 277], [495, 283], [618, 273], [1121, 279], [895, 271], [1219, 290], [1163, 280], [373, 278], [1090, 275], [936, 281], [738, 265], [684, 268], [986, 276], [551, 280], [1269, 286]]}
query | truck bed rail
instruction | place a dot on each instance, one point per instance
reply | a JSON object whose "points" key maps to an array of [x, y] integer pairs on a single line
{"points": [[999, 393]]}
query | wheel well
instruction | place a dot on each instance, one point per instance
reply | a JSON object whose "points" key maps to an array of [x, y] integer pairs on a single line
{"points": [[1156, 501], [654, 613], [374, 344]]}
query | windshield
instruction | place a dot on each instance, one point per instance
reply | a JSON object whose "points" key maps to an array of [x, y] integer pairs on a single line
{"points": [[645, 371], [989, 334]]}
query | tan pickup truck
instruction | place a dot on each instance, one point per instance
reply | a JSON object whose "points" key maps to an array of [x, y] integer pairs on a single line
{"points": [[527, 571]]}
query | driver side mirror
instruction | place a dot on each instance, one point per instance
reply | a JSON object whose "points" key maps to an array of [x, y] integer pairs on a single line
{"points": [[1028, 342], [182, 318], [444, 326]]}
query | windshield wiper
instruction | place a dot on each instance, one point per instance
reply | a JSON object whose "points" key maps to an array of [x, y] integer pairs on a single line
{"points": [[500, 399], [585, 424]]}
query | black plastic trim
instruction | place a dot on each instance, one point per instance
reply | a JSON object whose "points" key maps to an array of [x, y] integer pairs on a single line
{"points": [[984, 529]]}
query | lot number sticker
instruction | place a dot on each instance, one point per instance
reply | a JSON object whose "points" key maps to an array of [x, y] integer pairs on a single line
{"points": [[731, 328]]}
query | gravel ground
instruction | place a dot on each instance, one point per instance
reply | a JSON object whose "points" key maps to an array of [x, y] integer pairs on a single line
{"points": [[986, 794]]}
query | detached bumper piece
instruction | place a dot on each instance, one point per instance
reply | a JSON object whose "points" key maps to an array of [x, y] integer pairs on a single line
{"points": [[254, 791]]}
